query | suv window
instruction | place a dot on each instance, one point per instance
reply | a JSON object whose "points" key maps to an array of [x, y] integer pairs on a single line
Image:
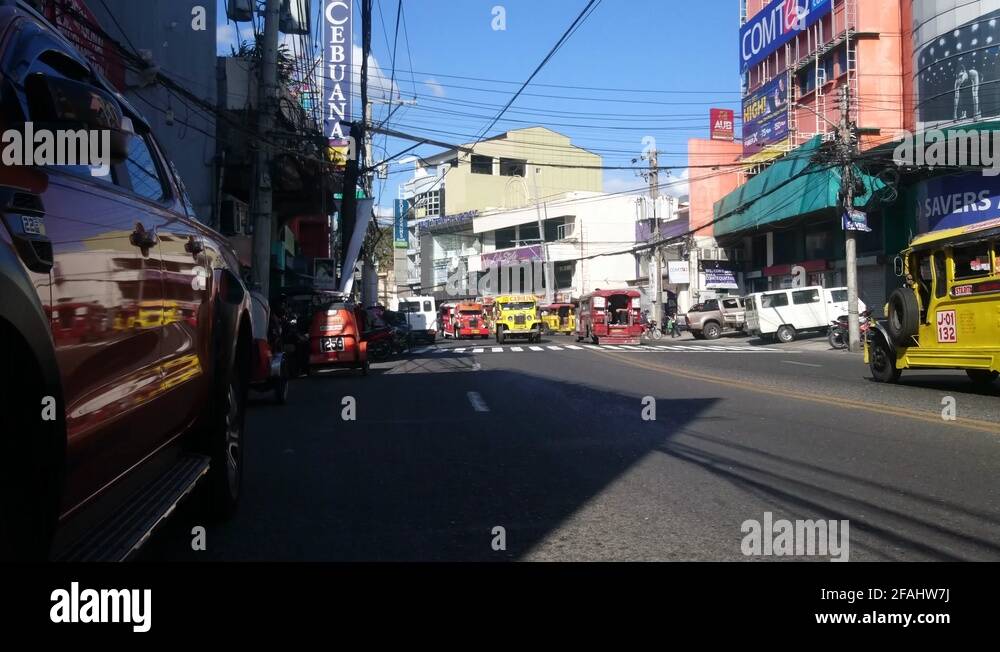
{"points": [[144, 174], [730, 304], [972, 261], [838, 296], [710, 306], [803, 297], [427, 306], [774, 300]]}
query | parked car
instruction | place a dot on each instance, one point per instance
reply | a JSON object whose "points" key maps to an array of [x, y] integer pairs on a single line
{"points": [[108, 419], [336, 336], [783, 314], [716, 317], [945, 316], [421, 315]]}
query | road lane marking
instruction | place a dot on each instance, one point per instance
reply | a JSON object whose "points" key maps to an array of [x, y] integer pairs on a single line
{"points": [[876, 408], [459, 350], [478, 404], [801, 364], [498, 349], [608, 346], [477, 350], [516, 348], [574, 347], [536, 348], [555, 348]]}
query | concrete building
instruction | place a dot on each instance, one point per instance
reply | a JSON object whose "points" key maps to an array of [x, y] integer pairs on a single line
{"points": [[783, 217], [588, 237], [512, 170]]}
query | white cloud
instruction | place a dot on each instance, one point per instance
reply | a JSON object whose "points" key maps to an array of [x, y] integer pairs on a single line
{"points": [[435, 87], [677, 184], [622, 181], [379, 86]]}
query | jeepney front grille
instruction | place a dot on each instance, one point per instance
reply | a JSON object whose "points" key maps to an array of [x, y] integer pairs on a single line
{"points": [[473, 323], [519, 319]]}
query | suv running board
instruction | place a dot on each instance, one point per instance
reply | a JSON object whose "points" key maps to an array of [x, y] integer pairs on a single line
{"points": [[119, 536]]}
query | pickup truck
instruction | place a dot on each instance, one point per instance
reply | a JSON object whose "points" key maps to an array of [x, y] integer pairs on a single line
{"points": [[715, 317]]}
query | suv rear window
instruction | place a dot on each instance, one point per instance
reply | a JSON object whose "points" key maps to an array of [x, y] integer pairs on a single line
{"points": [[838, 296], [803, 297]]}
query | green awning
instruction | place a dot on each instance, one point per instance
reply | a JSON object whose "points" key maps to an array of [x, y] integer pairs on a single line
{"points": [[793, 186]]}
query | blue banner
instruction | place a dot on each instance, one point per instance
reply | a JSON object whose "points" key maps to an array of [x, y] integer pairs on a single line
{"points": [[776, 25], [765, 116], [953, 201]]}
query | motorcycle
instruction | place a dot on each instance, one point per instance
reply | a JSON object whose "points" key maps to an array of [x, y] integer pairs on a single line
{"points": [[838, 335], [652, 331]]}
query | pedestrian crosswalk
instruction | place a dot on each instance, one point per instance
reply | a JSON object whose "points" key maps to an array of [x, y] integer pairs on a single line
{"points": [[618, 348]]}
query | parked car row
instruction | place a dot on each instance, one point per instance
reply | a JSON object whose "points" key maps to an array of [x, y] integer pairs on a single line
{"points": [[779, 315]]}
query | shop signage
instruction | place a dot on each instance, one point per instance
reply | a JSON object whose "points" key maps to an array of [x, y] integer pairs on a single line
{"points": [[513, 256], [677, 272], [718, 276], [337, 43], [400, 232], [955, 201], [723, 124], [775, 25], [855, 221]]}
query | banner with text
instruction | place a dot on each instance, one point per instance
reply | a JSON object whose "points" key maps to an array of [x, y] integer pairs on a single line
{"points": [[776, 25], [765, 118], [337, 43]]}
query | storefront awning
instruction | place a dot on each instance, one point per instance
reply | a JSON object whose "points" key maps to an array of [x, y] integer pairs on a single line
{"points": [[793, 186]]}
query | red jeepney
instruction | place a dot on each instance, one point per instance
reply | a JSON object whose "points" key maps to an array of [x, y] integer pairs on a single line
{"points": [[470, 320], [446, 319], [610, 317]]}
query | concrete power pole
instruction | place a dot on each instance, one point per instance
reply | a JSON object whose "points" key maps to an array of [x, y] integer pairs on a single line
{"points": [[266, 104], [847, 192], [657, 280]]}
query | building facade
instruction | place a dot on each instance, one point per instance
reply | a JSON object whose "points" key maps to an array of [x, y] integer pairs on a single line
{"points": [[797, 60], [513, 170]]}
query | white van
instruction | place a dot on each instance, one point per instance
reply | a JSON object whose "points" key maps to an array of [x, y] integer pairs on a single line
{"points": [[421, 315], [782, 314]]}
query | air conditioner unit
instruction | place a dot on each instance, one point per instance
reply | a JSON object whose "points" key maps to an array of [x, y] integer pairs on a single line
{"points": [[708, 253], [234, 217]]}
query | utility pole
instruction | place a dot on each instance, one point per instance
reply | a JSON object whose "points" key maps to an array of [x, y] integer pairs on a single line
{"points": [[847, 193], [266, 104], [654, 193], [349, 203], [546, 277]]}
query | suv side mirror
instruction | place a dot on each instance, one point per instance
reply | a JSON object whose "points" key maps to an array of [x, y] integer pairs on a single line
{"points": [[63, 104], [897, 265]]}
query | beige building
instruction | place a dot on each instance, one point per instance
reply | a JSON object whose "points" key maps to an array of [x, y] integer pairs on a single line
{"points": [[512, 170]]}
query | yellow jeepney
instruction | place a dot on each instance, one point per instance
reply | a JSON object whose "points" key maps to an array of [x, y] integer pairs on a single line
{"points": [[558, 318], [516, 316], [947, 315]]}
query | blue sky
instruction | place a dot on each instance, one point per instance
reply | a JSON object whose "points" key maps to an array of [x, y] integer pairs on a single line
{"points": [[652, 45]]}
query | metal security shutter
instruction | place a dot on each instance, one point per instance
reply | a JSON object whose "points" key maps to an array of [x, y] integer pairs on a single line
{"points": [[871, 287]]}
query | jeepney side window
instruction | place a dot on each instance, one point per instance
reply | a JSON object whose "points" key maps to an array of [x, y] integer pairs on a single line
{"points": [[972, 261], [940, 275]]}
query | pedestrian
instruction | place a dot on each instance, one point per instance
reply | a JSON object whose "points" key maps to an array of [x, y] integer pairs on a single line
{"points": [[672, 325]]}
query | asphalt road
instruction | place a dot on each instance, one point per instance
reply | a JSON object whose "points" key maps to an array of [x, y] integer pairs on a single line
{"points": [[551, 445]]}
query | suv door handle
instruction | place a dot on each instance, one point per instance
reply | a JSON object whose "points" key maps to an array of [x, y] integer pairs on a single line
{"points": [[143, 239]]}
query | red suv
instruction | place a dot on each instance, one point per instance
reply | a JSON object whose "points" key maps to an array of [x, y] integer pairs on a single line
{"points": [[124, 322]]}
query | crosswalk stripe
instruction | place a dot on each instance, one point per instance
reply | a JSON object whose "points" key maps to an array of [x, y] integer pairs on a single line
{"points": [[633, 348], [459, 350], [516, 348], [477, 350], [498, 349], [555, 348], [609, 346], [574, 347], [536, 348]]}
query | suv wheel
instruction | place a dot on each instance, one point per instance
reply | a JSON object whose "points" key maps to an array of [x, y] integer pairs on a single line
{"points": [[222, 438], [785, 334], [711, 331]]}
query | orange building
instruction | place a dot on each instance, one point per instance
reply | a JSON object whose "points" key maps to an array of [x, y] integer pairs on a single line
{"points": [[775, 219]]}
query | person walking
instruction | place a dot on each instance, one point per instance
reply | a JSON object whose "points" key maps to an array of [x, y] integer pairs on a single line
{"points": [[672, 326]]}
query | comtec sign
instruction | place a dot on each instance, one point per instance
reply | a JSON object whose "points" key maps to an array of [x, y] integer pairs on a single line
{"points": [[775, 25]]}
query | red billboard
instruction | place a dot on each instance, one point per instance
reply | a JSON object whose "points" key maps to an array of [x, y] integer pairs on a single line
{"points": [[723, 124]]}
